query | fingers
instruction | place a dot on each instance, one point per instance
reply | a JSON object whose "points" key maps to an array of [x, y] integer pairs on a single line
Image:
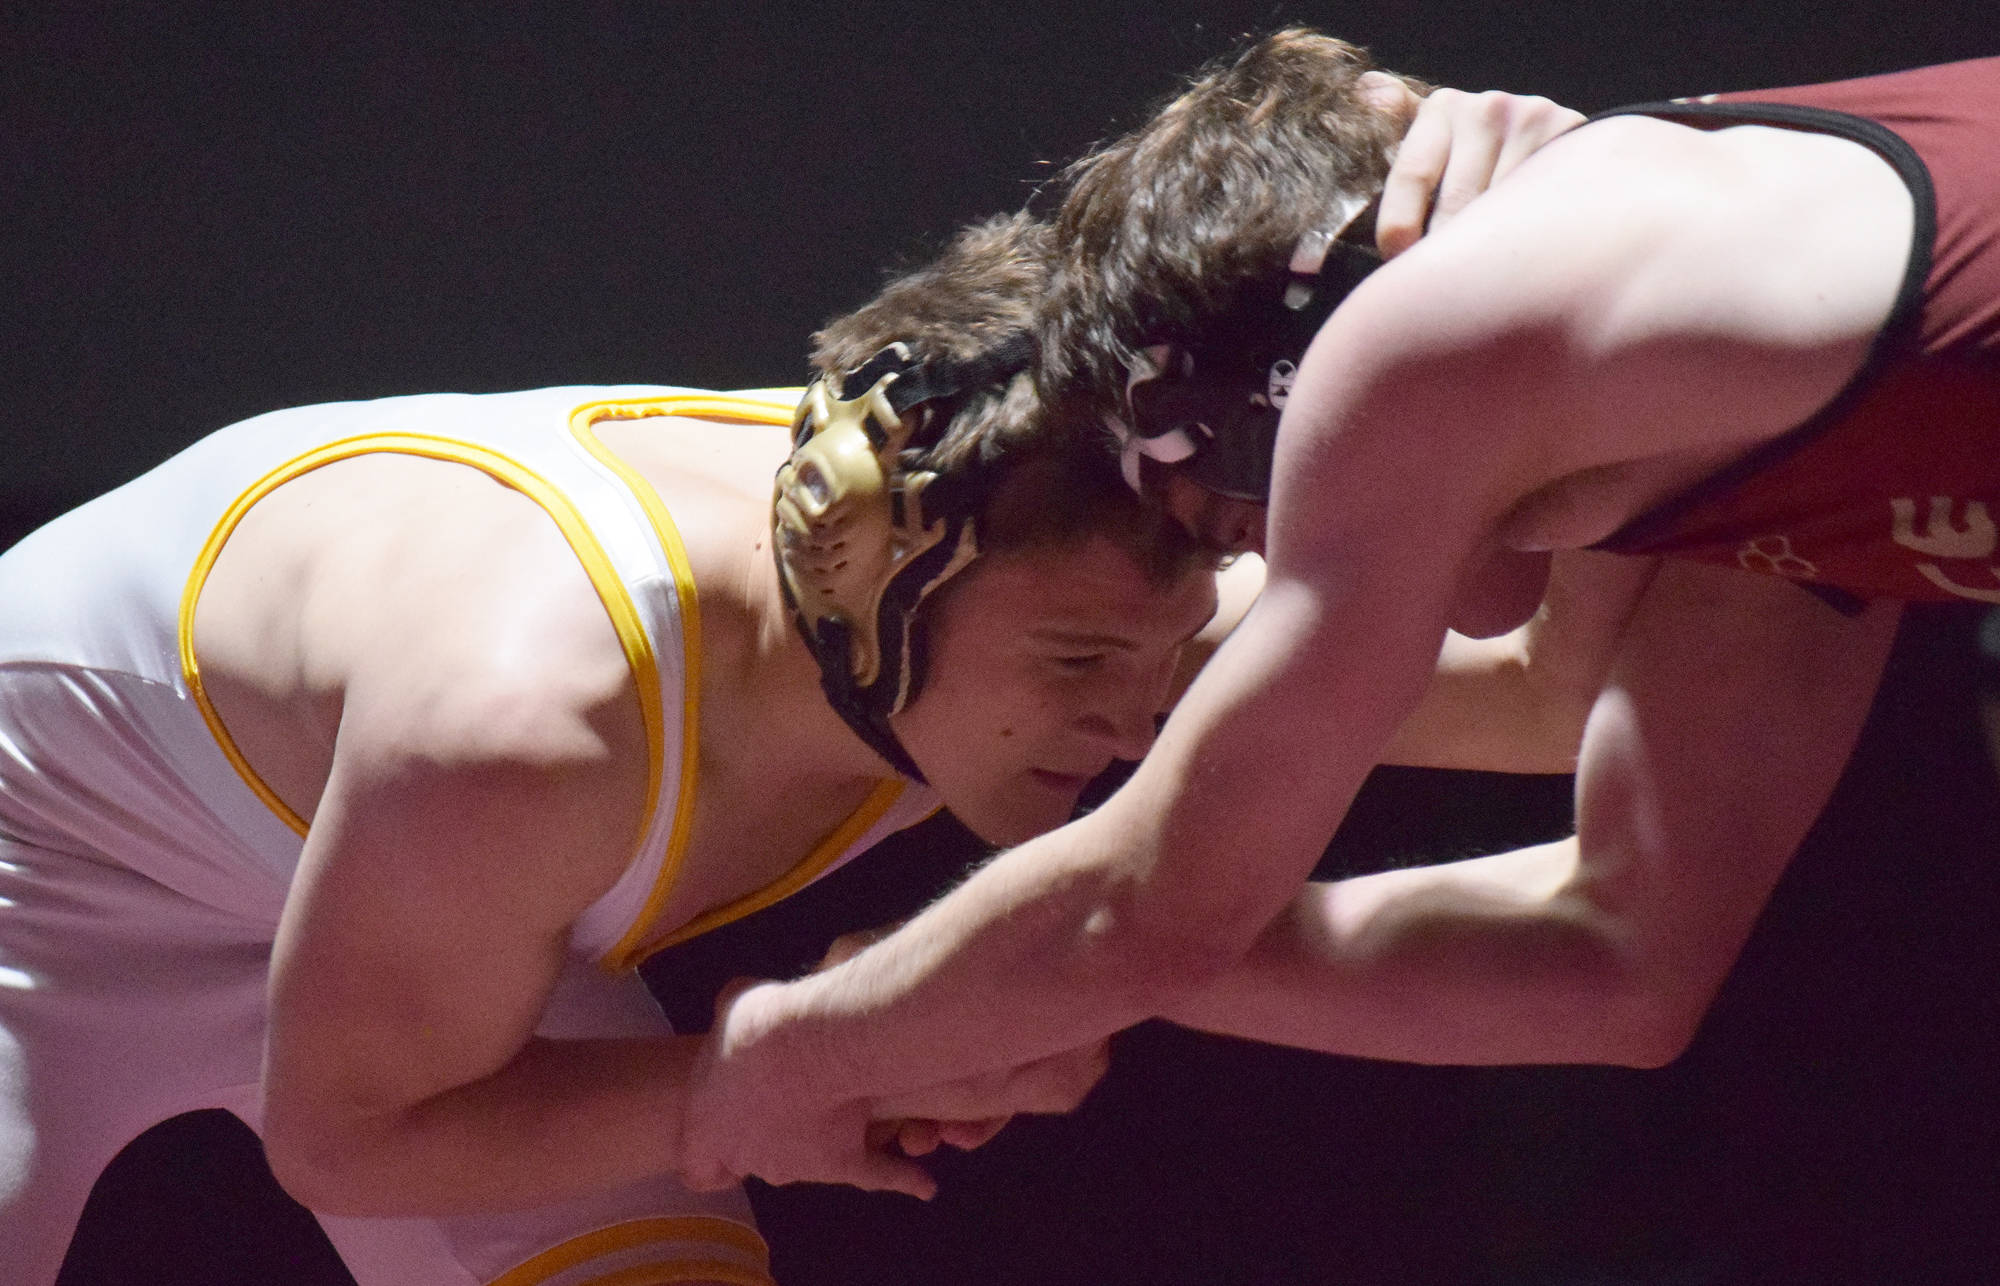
{"points": [[1458, 146], [875, 1165], [1419, 167], [1048, 1086], [967, 1135], [919, 1136], [1478, 127], [882, 1172], [1534, 121]]}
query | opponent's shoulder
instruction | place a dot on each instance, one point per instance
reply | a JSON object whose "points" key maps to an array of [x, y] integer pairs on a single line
{"points": [[1640, 287], [1745, 203]]}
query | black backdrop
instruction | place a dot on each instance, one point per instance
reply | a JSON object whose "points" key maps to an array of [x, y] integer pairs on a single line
{"points": [[215, 210]]}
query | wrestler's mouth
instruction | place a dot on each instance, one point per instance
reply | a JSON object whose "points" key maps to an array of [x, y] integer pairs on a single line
{"points": [[1069, 783]]}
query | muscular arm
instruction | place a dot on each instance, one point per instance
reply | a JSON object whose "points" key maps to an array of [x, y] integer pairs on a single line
{"points": [[487, 784], [1584, 315], [1517, 703], [1608, 946]]}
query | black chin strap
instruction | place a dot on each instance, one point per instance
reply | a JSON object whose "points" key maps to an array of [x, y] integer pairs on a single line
{"points": [[848, 700]]}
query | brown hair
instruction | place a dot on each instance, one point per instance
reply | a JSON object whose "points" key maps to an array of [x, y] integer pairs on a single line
{"points": [[1166, 225], [1048, 478]]}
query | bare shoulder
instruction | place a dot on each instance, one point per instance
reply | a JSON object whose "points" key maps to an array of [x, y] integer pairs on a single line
{"points": [[1637, 290], [476, 666], [1764, 205], [1639, 229]]}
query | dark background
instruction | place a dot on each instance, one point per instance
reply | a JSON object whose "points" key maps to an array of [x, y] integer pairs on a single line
{"points": [[215, 210]]}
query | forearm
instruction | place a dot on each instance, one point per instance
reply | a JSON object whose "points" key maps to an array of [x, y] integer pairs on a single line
{"points": [[561, 1119], [1485, 961], [1022, 960]]}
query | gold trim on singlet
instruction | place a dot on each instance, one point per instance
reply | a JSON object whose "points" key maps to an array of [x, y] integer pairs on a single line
{"points": [[596, 564], [771, 407], [824, 854], [640, 1232]]}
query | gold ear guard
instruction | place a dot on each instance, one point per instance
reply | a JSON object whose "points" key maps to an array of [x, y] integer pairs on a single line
{"points": [[843, 528]]}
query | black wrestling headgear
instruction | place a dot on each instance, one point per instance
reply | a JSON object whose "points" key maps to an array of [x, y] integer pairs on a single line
{"points": [[1209, 406]]}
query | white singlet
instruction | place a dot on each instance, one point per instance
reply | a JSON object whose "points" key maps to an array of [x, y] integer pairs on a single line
{"points": [[143, 865]]}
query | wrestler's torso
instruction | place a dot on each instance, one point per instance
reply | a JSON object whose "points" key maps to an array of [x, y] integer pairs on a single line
{"points": [[496, 551], [1890, 490]]}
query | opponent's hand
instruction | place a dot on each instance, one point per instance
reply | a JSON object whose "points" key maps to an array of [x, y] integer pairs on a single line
{"points": [[915, 1135], [753, 1110], [922, 1135], [1048, 1086], [957, 1111], [1459, 145]]}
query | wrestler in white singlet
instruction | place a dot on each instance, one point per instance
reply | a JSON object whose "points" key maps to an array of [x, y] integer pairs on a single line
{"points": [[143, 866]]}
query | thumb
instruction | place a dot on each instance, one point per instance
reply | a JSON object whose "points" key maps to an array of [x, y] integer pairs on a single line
{"points": [[967, 1135]]}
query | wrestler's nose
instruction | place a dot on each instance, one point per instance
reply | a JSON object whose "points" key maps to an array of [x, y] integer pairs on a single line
{"points": [[1125, 722]]}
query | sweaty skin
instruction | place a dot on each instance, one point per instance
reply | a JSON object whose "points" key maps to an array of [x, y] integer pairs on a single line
{"points": [[1638, 305]]}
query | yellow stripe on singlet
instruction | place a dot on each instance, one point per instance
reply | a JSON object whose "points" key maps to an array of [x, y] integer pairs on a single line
{"points": [[765, 406], [597, 565], [642, 1232], [824, 854]]}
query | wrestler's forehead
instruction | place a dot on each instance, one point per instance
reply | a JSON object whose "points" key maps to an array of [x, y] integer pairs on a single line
{"points": [[1094, 587]]}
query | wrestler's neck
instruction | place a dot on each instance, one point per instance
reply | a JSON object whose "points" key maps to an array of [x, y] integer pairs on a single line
{"points": [[762, 711], [761, 699]]}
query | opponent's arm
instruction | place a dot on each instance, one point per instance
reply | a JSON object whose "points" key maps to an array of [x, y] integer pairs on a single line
{"points": [[1517, 703], [1732, 708], [1599, 313], [1108, 920], [1458, 145]]}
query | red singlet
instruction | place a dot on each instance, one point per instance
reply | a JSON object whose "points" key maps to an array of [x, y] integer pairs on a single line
{"points": [[1892, 490]]}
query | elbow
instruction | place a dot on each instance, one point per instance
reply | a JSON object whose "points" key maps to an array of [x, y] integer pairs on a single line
{"points": [[1654, 1020], [1653, 1040], [320, 1165], [1596, 1001]]}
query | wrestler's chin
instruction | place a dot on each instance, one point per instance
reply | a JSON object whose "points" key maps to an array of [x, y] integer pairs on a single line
{"points": [[1039, 803]]}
